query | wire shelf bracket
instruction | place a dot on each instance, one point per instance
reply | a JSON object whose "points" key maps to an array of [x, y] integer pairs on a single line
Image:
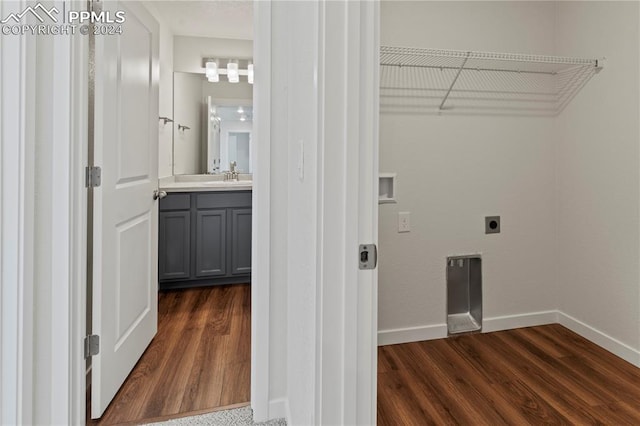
{"points": [[434, 80]]}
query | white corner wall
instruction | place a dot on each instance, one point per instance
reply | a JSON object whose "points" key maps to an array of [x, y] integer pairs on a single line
{"points": [[165, 89], [188, 112], [453, 170], [165, 93], [599, 178]]}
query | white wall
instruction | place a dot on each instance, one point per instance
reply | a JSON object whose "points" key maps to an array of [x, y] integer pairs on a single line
{"points": [[188, 111], [166, 101], [165, 131], [453, 170], [223, 90], [598, 177], [324, 118]]}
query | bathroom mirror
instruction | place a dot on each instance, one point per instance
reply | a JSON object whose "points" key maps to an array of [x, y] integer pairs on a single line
{"points": [[212, 125]]}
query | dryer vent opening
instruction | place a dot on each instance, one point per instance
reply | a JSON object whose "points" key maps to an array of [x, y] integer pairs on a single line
{"points": [[464, 294]]}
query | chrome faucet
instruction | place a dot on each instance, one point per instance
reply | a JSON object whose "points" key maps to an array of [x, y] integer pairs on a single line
{"points": [[232, 174]]}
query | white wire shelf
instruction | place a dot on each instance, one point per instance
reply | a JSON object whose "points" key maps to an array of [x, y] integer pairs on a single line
{"points": [[435, 80]]}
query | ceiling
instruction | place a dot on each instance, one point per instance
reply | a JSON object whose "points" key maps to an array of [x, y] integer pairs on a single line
{"points": [[213, 18]]}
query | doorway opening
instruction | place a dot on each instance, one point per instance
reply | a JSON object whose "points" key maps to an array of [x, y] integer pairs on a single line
{"points": [[200, 358]]}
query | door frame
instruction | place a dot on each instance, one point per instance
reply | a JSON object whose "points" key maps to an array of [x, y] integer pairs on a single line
{"points": [[261, 212], [260, 225], [260, 231], [43, 274], [62, 400], [16, 159]]}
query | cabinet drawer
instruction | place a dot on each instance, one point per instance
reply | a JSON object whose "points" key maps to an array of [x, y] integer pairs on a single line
{"points": [[175, 201], [221, 200]]}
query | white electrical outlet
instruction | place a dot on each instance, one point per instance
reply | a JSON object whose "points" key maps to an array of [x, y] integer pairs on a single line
{"points": [[404, 222]]}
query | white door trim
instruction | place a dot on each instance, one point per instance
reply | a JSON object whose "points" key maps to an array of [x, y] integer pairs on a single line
{"points": [[16, 194], [367, 299], [261, 219], [67, 317], [41, 125], [346, 368]]}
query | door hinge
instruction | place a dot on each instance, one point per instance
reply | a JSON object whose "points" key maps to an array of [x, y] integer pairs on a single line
{"points": [[93, 176], [368, 256], [91, 345]]}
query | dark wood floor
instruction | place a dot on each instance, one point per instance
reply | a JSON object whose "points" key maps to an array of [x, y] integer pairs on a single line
{"points": [[199, 360], [537, 375]]}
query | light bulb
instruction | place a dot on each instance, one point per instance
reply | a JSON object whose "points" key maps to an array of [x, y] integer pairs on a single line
{"points": [[250, 73], [233, 74], [211, 71]]}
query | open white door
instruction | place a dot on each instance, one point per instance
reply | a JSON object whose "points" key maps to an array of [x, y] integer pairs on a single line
{"points": [[125, 214]]}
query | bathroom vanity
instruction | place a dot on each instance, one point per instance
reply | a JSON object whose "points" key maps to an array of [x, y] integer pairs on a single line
{"points": [[204, 233]]}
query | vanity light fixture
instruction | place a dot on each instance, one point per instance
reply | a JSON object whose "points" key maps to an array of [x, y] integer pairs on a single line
{"points": [[232, 68], [243, 117], [240, 110]]}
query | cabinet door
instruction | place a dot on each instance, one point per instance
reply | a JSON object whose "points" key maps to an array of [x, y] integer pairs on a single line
{"points": [[240, 241], [174, 247], [211, 237]]}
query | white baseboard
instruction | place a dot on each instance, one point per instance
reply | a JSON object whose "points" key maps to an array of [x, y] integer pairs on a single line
{"points": [[411, 334], [614, 346], [509, 322], [439, 331], [279, 409]]}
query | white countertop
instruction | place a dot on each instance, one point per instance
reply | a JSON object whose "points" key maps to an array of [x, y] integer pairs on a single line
{"points": [[204, 183]]}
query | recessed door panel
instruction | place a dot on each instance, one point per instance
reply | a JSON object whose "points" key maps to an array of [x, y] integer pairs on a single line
{"points": [[211, 237]]}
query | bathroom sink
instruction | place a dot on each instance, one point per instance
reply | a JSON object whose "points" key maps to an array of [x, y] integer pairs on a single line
{"points": [[215, 182], [243, 179]]}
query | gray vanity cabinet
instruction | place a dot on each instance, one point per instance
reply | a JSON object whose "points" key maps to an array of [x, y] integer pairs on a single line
{"points": [[241, 243], [204, 239], [211, 243], [174, 245]]}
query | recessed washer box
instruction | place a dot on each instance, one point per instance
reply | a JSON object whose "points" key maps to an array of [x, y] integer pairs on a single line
{"points": [[386, 188]]}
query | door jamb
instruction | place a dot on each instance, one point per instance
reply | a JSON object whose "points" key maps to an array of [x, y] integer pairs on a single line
{"points": [[260, 226], [261, 214]]}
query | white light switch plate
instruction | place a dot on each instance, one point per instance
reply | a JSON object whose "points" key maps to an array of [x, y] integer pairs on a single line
{"points": [[404, 222]]}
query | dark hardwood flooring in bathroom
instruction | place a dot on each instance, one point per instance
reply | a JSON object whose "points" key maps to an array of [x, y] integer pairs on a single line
{"points": [[199, 360], [527, 376]]}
